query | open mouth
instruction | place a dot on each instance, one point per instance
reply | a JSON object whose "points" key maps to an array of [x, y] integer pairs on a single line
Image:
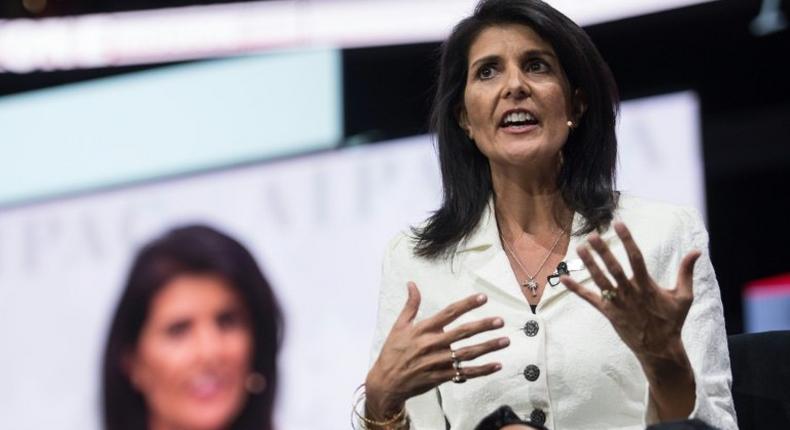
{"points": [[206, 386], [516, 119]]}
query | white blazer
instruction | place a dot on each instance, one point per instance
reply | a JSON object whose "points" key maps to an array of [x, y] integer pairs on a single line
{"points": [[586, 376]]}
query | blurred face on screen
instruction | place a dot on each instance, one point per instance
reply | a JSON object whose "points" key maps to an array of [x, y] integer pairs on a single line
{"points": [[193, 355], [517, 99]]}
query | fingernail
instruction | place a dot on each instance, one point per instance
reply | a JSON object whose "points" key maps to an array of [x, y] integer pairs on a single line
{"points": [[481, 298], [504, 341], [498, 322], [497, 366]]}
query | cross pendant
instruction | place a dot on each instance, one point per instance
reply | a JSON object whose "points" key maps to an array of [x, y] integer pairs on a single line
{"points": [[532, 285]]}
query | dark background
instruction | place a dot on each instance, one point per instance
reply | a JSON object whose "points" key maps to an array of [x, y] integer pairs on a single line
{"points": [[743, 82]]}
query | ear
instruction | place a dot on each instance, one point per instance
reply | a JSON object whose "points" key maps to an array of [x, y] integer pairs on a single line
{"points": [[131, 368], [463, 121], [579, 105]]}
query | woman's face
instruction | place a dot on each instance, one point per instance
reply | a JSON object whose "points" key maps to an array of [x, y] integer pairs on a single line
{"points": [[517, 100], [193, 354]]}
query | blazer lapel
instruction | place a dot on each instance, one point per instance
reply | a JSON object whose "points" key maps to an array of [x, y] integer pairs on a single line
{"points": [[497, 276], [578, 271], [485, 259]]}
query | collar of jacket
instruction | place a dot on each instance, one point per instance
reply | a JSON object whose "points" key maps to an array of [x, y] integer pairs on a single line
{"points": [[484, 256]]}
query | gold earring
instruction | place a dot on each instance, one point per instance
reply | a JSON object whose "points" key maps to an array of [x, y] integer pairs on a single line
{"points": [[255, 383]]}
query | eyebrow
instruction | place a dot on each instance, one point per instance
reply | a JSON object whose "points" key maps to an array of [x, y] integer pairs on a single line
{"points": [[532, 53]]}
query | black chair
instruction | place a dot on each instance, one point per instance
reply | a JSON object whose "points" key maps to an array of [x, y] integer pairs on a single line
{"points": [[761, 379], [682, 425]]}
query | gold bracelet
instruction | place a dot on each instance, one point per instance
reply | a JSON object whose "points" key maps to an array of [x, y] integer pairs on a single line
{"points": [[396, 422]]}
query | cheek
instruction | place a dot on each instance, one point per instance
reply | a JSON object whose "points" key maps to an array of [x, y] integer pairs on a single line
{"points": [[238, 347], [160, 374], [476, 108], [161, 368], [557, 104], [237, 356]]}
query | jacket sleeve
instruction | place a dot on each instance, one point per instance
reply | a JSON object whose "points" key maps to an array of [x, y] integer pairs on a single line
{"points": [[703, 334], [424, 410]]}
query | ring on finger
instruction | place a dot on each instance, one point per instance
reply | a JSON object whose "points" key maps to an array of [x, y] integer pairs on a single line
{"points": [[459, 377], [609, 294], [456, 361]]}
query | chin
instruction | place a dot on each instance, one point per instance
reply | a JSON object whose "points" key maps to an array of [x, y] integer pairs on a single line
{"points": [[216, 416], [530, 154], [205, 421], [518, 159]]}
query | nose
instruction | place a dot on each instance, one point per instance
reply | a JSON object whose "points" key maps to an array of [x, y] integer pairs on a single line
{"points": [[515, 85], [208, 345]]}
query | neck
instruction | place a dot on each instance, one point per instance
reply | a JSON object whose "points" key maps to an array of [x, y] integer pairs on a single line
{"points": [[528, 203]]}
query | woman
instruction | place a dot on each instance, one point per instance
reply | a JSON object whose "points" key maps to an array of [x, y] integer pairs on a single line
{"points": [[194, 340], [525, 123]]}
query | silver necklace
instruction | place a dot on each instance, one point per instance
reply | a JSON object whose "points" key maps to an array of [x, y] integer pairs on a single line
{"points": [[530, 282]]}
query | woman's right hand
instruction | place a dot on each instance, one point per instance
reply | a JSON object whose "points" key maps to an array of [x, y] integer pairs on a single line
{"points": [[416, 357]]}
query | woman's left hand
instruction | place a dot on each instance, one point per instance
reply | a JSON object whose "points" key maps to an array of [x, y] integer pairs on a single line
{"points": [[647, 317]]}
